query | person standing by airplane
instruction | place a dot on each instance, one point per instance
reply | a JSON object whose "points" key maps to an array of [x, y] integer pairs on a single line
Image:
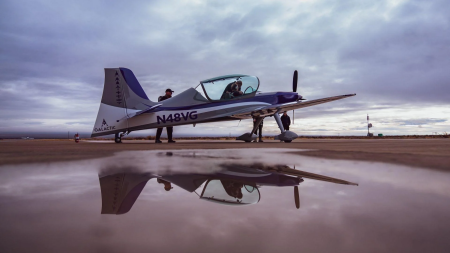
{"points": [[168, 129], [259, 127], [286, 121]]}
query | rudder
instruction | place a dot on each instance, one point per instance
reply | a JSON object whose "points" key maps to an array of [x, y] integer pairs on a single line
{"points": [[122, 89]]}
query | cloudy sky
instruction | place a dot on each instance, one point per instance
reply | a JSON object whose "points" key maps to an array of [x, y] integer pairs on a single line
{"points": [[395, 55]]}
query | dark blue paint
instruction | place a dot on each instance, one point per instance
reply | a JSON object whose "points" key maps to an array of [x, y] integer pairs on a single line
{"points": [[286, 97], [133, 82], [273, 99]]}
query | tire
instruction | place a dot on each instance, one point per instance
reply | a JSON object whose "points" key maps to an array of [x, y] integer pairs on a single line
{"points": [[288, 141], [117, 139]]}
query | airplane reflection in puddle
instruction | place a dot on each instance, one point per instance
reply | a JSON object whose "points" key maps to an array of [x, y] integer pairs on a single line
{"points": [[234, 184]]}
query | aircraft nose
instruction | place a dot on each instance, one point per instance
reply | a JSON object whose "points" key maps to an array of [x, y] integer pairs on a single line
{"points": [[287, 97]]}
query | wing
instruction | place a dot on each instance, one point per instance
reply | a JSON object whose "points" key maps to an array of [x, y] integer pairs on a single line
{"points": [[272, 109], [304, 174]]}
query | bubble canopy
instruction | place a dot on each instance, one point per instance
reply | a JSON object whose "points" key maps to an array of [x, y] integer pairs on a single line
{"points": [[230, 87], [231, 192]]}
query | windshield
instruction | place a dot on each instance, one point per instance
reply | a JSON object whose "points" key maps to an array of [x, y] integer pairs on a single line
{"points": [[230, 87], [230, 192]]}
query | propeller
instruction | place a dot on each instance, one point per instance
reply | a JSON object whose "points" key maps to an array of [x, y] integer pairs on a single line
{"points": [[296, 197], [294, 89], [295, 81]]}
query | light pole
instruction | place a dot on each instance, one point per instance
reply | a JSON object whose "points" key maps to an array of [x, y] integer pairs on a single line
{"points": [[369, 125]]}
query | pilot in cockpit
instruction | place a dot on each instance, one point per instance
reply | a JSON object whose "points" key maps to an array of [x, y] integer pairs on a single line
{"points": [[233, 189], [233, 90]]}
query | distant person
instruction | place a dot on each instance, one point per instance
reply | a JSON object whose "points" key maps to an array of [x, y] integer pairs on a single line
{"points": [[76, 137], [168, 129], [286, 121], [260, 127]]}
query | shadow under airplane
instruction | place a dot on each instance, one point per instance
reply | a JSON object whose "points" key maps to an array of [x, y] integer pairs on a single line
{"points": [[235, 184]]}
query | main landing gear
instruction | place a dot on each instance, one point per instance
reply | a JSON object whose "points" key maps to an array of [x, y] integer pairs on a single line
{"points": [[118, 137], [249, 137], [286, 135]]}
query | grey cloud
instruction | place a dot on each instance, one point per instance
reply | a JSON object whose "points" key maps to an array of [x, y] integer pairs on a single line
{"points": [[420, 122], [33, 123], [389, 56]]}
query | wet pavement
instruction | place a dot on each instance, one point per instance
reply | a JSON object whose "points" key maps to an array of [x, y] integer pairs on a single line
{"points": [[222, 201]]}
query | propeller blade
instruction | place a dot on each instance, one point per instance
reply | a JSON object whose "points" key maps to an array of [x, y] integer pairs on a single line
{"points": [[296, 197], [294, 81], [293, 117]]}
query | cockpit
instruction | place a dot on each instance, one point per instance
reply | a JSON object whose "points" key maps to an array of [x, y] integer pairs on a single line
{"points": [[229, 87], [230, 192]]}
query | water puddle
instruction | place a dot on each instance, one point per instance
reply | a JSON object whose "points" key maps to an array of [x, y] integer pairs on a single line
{"points": [[261, 200]]}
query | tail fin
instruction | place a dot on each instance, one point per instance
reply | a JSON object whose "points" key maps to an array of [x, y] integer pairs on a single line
{"points": [[120, 191], [122, 89], [122, 95]]}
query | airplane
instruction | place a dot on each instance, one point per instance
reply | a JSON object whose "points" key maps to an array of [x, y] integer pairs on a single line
{"points": [[234, 184], [125, 107]]}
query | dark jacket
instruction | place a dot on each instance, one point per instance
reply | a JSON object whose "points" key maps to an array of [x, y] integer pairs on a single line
{"points": [[162, 98], [285, 120], [261, 124]]}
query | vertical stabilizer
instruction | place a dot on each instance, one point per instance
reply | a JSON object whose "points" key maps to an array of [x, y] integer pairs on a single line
{"points": [[122, 89], [122, 96], [120, 191]]}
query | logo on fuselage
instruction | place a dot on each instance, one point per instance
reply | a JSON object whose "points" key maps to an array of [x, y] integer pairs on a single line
{"points": [[104, 127]]}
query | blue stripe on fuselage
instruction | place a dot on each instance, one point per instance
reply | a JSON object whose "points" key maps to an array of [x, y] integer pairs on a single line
{"points": [[273, 99]]}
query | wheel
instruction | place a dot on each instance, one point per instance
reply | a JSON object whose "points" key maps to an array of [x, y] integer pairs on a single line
{"points": [[288, 141], [118, 138]]}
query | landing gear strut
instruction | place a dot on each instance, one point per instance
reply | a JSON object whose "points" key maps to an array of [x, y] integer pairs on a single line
{"points": [[249, 137], [286, 136]]}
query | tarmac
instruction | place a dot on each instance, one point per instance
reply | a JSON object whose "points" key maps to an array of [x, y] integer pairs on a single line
{"points": [[423, 153]]}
